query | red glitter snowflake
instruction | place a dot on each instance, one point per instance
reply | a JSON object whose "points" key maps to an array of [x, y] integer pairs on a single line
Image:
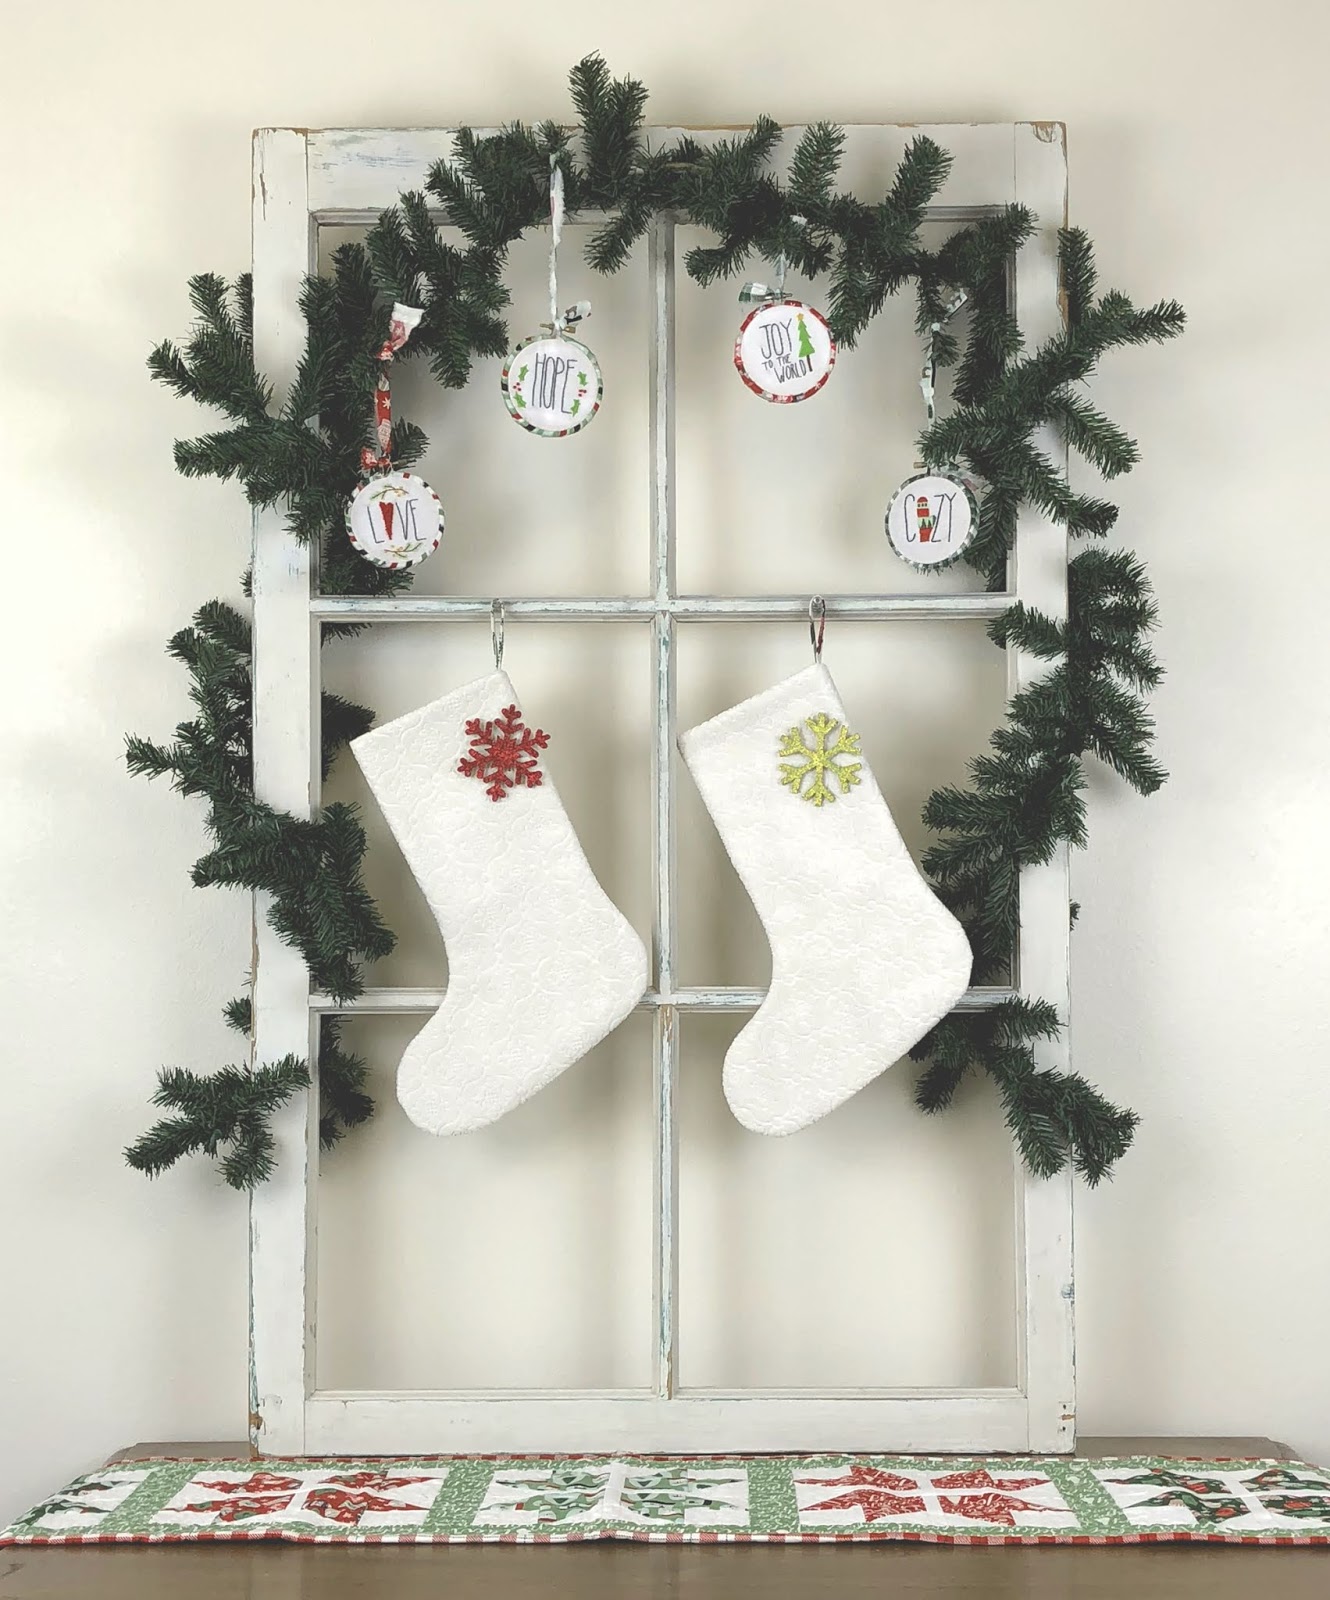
{"points": [[504, 753]]}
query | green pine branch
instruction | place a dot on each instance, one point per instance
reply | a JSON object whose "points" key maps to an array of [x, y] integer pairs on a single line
{"points": [[225, 1115], [311, 867], [1054, 1117], [343, 1101]]}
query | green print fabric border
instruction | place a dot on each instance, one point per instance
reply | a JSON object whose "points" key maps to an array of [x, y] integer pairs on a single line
{"points": [[997, 1500]]}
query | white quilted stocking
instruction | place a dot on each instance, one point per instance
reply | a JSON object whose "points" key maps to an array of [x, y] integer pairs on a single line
{"points": [[541, 966], [864, 957]]}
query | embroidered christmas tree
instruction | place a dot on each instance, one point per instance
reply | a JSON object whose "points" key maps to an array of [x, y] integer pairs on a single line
{"points": [[805, 339], [825, 757], [503, 754]]}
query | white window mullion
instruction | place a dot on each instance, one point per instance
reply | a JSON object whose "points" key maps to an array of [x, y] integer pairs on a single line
{"points": [[724, 998], [980, 607], [665, 1050]]}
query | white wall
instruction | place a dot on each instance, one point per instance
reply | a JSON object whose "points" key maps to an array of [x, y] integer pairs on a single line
{"points": [[1197, 149]]}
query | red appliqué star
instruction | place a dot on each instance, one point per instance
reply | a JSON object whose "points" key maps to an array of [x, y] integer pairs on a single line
{"points": [[262, 1494], [238, 1507], [1000, 1506], [504, 753], [980, 1478], [872, 1490], [880, 1494], [345, 1498]]}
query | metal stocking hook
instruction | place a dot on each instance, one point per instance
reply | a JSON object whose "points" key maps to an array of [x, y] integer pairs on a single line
{"points": [[496, 632], [817, 626]]}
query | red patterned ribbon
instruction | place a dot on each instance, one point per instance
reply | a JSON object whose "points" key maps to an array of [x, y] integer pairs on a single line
{"points": [[400, 329]]}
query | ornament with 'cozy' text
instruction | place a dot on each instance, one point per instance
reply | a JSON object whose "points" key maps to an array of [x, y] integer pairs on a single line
{"points": [[932, 518], [784, 351]]}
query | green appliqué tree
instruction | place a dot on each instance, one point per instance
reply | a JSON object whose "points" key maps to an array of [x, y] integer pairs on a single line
{"points": [[1025, 795]]}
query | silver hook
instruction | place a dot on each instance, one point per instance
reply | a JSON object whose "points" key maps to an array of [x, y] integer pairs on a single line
{"points": [[817, 626], [496, 632]]}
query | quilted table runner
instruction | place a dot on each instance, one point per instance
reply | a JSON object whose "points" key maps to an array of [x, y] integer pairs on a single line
{"points": [[696, 1499]]}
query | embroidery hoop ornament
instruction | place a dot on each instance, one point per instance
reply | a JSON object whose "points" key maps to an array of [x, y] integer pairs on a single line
{"points": [[919, 498], [516, 377], [389, 501], [576, 364], [933, 494], [814, 332], [402, 499]]}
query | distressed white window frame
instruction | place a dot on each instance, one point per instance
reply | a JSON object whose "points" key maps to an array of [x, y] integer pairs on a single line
{"points": [[307, 179]]}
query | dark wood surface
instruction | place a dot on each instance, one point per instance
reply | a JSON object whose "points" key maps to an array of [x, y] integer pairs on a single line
{"points": [[676, 1572]]}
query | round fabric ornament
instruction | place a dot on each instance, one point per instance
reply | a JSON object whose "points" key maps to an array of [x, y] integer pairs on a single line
{"points": [[394, 519], [932, 518], [784, 351], [552, 385]]}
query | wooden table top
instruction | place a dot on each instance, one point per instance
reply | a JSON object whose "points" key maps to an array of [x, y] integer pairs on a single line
{"points": [[676, 1572]]}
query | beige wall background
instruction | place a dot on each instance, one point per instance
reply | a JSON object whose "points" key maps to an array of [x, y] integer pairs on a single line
{"points": [[1197, 138]]}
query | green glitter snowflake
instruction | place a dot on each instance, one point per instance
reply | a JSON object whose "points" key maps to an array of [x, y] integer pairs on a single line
{"points": [[822, 759]]}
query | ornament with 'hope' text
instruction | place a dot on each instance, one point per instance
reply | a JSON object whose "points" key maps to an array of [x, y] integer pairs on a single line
{"points": [[552, 385]]}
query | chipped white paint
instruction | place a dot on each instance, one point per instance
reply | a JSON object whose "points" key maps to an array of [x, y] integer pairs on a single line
{"points": [[355, 172], [367, 1422], [688, 607], [349, 176], [664, 929], [1046, 1342], [282, 1212], [414, 1002]]}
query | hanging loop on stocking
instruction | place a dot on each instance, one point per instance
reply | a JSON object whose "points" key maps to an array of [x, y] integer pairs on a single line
{"points": [[496, 632], [817, 626]]}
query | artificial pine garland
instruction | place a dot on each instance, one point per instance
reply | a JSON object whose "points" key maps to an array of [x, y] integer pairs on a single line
{"points": [[1025, 796]]}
